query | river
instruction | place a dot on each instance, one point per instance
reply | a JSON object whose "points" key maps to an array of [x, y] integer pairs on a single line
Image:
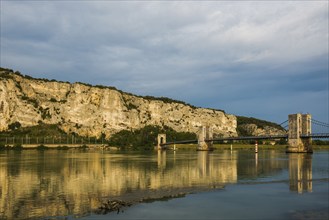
{"points": [[223, 184]]}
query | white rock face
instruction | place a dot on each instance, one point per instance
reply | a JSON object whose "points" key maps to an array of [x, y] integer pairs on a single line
{"points": [[91, 111]]}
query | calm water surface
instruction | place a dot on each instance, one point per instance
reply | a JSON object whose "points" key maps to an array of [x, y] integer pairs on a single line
{"points": [[57, 184]]}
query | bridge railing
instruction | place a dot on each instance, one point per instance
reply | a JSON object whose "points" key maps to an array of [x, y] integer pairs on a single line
{"points": [[269, 137]]}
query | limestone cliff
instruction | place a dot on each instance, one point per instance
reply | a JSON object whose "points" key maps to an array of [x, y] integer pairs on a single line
{"points": [[94, 110]]}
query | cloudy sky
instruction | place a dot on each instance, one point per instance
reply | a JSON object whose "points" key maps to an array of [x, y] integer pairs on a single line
{"points": [[263, 59]]}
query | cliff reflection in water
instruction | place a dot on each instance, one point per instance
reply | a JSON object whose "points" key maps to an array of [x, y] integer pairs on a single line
{"points": [[36, 184], [57, 183]]}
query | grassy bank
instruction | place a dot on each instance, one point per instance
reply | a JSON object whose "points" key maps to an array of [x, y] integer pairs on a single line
{"points": [[235, 146], [42, 147]]}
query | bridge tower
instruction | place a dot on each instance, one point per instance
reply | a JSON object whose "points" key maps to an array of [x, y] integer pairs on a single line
{"points": [[299, 125], [161, 140], [205, 134]]}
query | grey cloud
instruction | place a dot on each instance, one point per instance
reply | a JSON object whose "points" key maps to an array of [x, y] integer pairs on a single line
{"points": [[211, 54]]}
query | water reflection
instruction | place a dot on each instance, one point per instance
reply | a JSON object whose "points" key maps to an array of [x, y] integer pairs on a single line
{"points": [[261, 166], [300, 172], [203, 163], [35, 184], [57, 183], [162, 159], [256, 160]]}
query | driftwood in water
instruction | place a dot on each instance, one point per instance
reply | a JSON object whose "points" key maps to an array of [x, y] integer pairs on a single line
{"points": [[111, 206]]}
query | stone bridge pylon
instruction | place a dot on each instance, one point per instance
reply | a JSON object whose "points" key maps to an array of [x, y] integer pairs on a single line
{"points": [[205, 138], [299, 129], [161, 140]]}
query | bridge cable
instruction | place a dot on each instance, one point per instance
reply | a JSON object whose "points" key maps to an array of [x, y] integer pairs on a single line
{"points": [[283, 122], [319, 122]]}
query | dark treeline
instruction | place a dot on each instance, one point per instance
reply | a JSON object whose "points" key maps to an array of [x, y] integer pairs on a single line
{"points": [[146, 138], [320, 142], [43, 134]]}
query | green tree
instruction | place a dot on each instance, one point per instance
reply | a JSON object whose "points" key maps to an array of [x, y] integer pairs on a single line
{"points": [[14, 126]]}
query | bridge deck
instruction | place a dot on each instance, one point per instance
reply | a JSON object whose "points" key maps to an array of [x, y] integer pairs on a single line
{"points": [[319, 135], [269, 137], [230, 139]]}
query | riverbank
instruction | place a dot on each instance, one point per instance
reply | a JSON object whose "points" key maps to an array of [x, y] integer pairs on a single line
{"points": [[238, 146], [234, 146], [53, 146]]}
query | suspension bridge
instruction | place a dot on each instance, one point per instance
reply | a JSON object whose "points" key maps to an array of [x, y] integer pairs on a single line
{"points": [[299, 135]]}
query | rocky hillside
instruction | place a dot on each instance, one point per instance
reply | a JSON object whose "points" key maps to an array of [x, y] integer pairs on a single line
{"points": [[256, 127], [95, 110]]}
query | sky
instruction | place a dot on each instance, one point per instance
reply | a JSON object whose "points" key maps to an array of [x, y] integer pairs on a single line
{"points": [[262, 59]]}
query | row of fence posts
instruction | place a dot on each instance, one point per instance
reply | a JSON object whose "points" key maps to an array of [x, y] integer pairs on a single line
{"points": [[50, 140]]}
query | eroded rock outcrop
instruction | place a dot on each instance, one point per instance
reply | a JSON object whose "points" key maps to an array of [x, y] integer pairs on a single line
{"points": [[94, 110], [254, 130]]}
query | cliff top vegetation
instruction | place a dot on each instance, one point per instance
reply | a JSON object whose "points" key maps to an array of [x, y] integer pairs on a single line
{"points": [[8, 73], [241, 120]]}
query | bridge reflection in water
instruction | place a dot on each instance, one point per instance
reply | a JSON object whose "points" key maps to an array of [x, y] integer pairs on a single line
{"points": [[300, 172], [36, 184]]}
